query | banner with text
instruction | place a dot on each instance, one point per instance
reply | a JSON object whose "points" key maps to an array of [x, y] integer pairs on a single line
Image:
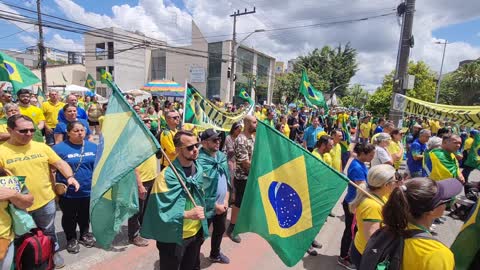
{"points": [[202, 113], [462, 115]]}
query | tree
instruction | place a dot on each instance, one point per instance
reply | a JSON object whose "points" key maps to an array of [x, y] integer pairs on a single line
{"points": [[467, 80], [424, 88], [449, 93], [355, 96]]}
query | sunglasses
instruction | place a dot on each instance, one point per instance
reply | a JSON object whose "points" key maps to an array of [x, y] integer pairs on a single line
{"points": [[175, 117], [448, 202], [147, 121], [25, 131], [190, 147]]}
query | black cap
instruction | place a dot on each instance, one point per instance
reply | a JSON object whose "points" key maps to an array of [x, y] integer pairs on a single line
{"points": [[209, 134]]}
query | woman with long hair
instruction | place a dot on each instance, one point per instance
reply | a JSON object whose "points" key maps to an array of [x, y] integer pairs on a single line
{"points": [[414, 206], [368, 212]]}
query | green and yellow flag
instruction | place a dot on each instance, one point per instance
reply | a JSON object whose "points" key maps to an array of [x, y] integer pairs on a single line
{"points": [[289, 195], [90, 83], [473, 158], [15, 73], [245, 96], [466, 247], [440, 165], [105, 76], [312, 95], [114, 196]]}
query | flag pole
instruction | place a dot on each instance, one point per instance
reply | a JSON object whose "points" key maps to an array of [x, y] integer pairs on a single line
{"points": [[366, 192], [178, 177]]}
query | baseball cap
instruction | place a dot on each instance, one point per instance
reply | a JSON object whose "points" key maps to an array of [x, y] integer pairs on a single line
{"points": [[209, 134], [446, 190]]}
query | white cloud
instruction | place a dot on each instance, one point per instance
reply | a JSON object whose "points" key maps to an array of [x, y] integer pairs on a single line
{"points": [[23, 26], [58, 42], [28, 40], [376, 40]]}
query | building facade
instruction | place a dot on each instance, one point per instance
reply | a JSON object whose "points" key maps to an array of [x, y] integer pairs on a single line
{"points": [[28, 60]]}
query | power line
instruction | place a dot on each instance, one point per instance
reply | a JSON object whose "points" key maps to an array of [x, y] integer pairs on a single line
{"points": [[16, 33]]}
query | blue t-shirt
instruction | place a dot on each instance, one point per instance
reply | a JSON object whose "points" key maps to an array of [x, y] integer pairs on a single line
{"points": [[356, 172], [81, 114], [310, 135], [416, 148], [378, 129], [71, 153], [61, 128]]}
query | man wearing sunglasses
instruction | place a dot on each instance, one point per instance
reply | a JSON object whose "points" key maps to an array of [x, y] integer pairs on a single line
{"points": [[171, 217], [215, 185], [22, 156], [166, 137]]}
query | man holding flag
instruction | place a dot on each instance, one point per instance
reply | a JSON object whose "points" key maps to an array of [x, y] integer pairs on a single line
{"points": [[175, 214]]}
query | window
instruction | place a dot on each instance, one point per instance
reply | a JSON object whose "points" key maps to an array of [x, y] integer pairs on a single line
{"points": [[214, 68], [110, 70], [159, 61], [110, 50], [102, 91], [99, 73], [100, 51]]}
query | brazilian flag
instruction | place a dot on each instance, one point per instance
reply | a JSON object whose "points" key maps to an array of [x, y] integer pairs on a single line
{"points": [[90, 83], [15, 73], [288, 196], [125, 144], [466, 247], [441, 165], [245, 96], [312, 95], [105, 76], [473, 158]]}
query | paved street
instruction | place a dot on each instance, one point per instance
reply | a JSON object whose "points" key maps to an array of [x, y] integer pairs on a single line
{"points": [[252, 253]]}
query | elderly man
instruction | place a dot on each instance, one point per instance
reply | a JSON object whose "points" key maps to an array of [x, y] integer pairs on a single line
{"points": [[22, 156], [171, 218], [73, 100], [215, 184], [51, 109], [172, 118], [415, 153], [442, 163]]}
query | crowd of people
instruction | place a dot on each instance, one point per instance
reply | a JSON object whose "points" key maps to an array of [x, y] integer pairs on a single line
{"points": [[52, 144]]}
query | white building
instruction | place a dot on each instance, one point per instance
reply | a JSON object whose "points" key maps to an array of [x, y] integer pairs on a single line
{"points": [[28, 60]]}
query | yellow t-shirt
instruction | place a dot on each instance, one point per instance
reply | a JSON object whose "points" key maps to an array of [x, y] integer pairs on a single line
{"points": [[50, 111], [260, 115], [166, 141], [434, 126], [336, 154], [394, 148], [325, 157], [190, 226], [365, 130], [286, 130], [426, 254], [33, 112], [6, 231], [148, 169], [468, 143], [3, 129], [367, 211], [31, 161]]}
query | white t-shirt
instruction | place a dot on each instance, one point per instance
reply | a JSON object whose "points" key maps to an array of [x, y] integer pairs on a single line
{"points": [[381, 156]]}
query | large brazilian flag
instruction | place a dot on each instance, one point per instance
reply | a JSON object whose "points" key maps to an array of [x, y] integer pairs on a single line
{"points": [[124, 145], [15, 73], [289, 195], [466, 247], [440, 165], [312, 95]]}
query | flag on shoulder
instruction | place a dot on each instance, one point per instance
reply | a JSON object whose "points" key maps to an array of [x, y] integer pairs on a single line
{"points": [[466, 247], [15, 73], [289, 195], [124, 145], [312, 95]]}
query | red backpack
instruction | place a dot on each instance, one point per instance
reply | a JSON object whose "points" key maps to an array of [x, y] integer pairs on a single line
{"points": [[35, 251]]}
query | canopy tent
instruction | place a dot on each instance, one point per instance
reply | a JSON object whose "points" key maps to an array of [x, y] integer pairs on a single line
{"points": [[76, 88], [164, 88], [137, 92]]}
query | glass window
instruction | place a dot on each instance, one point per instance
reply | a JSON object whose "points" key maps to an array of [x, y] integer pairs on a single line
{"points": [[111, 71], [110, 50], [159, 64], [214, 69], [100, 51]]}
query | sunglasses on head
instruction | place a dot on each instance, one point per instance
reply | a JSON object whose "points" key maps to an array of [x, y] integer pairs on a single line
{"points": [[25, 131], [190, 147]]}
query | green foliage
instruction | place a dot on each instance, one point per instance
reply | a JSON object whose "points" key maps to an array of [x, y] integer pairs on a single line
{"points": [[467, 80], [326, 68], [424, 88], [355, 96], [449, 93]]}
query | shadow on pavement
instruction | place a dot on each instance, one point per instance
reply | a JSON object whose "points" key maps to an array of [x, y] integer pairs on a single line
{"points": [[320, 262]]}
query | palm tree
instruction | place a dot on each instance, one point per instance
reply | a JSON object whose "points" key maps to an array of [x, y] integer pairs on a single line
{"points": [[467, 80]]}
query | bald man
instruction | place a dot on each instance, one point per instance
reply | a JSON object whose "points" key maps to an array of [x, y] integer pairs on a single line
{"points": [[73, 100], [243, 149]]}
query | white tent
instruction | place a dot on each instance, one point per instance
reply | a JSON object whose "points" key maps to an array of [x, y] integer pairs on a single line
{"points": [[76, 88]]}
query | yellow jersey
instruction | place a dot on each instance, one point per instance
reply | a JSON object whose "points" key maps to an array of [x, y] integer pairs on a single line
{"points": [[148, 169], [468, 143], [368, 210], [325, 157], [365, 129], [286, 130], [395, 148], [50, 111], [336, 154], [33, 112], [166, 141]]}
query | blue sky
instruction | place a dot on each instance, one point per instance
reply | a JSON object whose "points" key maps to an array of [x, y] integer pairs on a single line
{"points": [[465, 32]]}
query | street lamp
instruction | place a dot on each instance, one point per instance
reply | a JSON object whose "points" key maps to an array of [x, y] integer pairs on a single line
{"points": [[234, 52], [445, 42]]}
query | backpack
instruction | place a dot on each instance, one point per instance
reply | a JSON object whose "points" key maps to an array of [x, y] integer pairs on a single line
{"points": [[384, 249], [35, 251]]}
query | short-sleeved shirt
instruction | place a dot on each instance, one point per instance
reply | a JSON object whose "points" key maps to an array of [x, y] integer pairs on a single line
{"points": [[243, 151], [61, 128], [81, 114], [416, 149], [368, 210], [378, 129], [148, 170], [3, 127], [365, 130], [33, 112], [381, 156], [426, 254], [468, 144], [395, 148], [357, 171], [336, 154], [166, 141], [327, 158], [31, 160], [293, 131], [310, 135], [50, 111], [82, 162]]}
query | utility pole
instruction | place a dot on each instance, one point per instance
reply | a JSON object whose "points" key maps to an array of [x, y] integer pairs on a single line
{"points": [[441, 69], [234, 51], [406, 10], [41, 49]]}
